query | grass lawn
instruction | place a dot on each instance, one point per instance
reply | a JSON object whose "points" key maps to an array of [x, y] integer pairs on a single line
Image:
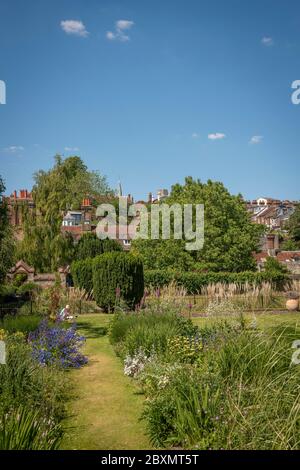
{"points": [[106, 409]]}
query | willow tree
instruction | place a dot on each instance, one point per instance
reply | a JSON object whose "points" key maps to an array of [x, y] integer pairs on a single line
{"points": [[55, 191]]}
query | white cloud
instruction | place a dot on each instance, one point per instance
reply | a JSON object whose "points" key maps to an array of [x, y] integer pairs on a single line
{"points": [[216, 136], [195, 135], [110, 35], [256, 139], [124, 24], [74, 27], [267, 41], [14, 149], [118, 33], [72, 149]]}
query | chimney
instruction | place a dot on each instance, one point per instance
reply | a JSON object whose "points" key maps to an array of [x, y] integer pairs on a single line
{"points": [[15, 194]]}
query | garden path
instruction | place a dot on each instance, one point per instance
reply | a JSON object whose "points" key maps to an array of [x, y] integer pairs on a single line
{"points": [[106, 409]]}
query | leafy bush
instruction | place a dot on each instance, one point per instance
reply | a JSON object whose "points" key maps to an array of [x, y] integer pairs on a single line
{"points": [[82, 274], [19, 279], [28, 289], [7, 291], [193, 282], [90, 246], [117, 276], [57, 346]]}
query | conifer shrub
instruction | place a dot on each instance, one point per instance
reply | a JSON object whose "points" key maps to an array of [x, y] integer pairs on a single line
{"points": [[117, 277], [82, 274]]}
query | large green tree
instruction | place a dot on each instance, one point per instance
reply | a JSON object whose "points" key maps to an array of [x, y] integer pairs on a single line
{"points": [[90, 246], [7, 242], [229, 236], [293, 227], [64, 186], [61, 188]]}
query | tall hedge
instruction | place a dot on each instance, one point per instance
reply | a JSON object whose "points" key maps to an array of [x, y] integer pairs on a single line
{"points": [[193, 281], [113, 272], [82, 274], [90, 245]]}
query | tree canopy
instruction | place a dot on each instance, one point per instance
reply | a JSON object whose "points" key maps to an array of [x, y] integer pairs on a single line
{"points": [[229, 236], [7, 243], [55, 191], [293, 227]]}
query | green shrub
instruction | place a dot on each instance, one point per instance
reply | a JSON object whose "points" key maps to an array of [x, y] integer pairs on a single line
{"points": [[90, 246], [28, 288], [82, 274], [117, 276], [193, 282], [19, 279], [6, 291]]}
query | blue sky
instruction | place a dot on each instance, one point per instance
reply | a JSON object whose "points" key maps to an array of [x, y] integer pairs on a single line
{"points": [[153, 91]]}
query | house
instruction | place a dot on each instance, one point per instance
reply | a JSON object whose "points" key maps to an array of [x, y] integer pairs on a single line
{"points": [[272, 213], [290, 259], [72, 219]]}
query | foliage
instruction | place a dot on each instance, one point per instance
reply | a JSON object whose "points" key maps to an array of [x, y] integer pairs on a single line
{"points": [[273, 265], [230, 237], [89, 246], [293, 226], [148, 330], [57, 346], [19, 279], [163, 254], [7, 242], [117, 277], [23, 382], [61, 188], [44, 246], [28, 289], [226, 385], [193, 282], [82, 274], [25, 429], [64, 186], [22, 324]]}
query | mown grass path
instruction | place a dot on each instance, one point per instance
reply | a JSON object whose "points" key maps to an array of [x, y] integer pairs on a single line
{"points": [[106, 409]]}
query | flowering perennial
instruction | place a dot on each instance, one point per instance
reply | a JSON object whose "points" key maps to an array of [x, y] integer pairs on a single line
{"points": [[57, 346]]}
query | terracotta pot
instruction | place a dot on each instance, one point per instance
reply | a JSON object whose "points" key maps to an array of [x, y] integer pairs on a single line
{"points": [[292, 305]]}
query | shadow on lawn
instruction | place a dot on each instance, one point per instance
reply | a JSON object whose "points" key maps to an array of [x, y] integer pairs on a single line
{"points": [[90, 331]]}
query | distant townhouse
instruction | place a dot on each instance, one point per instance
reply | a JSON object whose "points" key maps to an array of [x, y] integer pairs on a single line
{"points": [[272, 213]]}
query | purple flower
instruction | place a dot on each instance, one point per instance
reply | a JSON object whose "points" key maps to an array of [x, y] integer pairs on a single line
{"points": [[57, 346]]}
